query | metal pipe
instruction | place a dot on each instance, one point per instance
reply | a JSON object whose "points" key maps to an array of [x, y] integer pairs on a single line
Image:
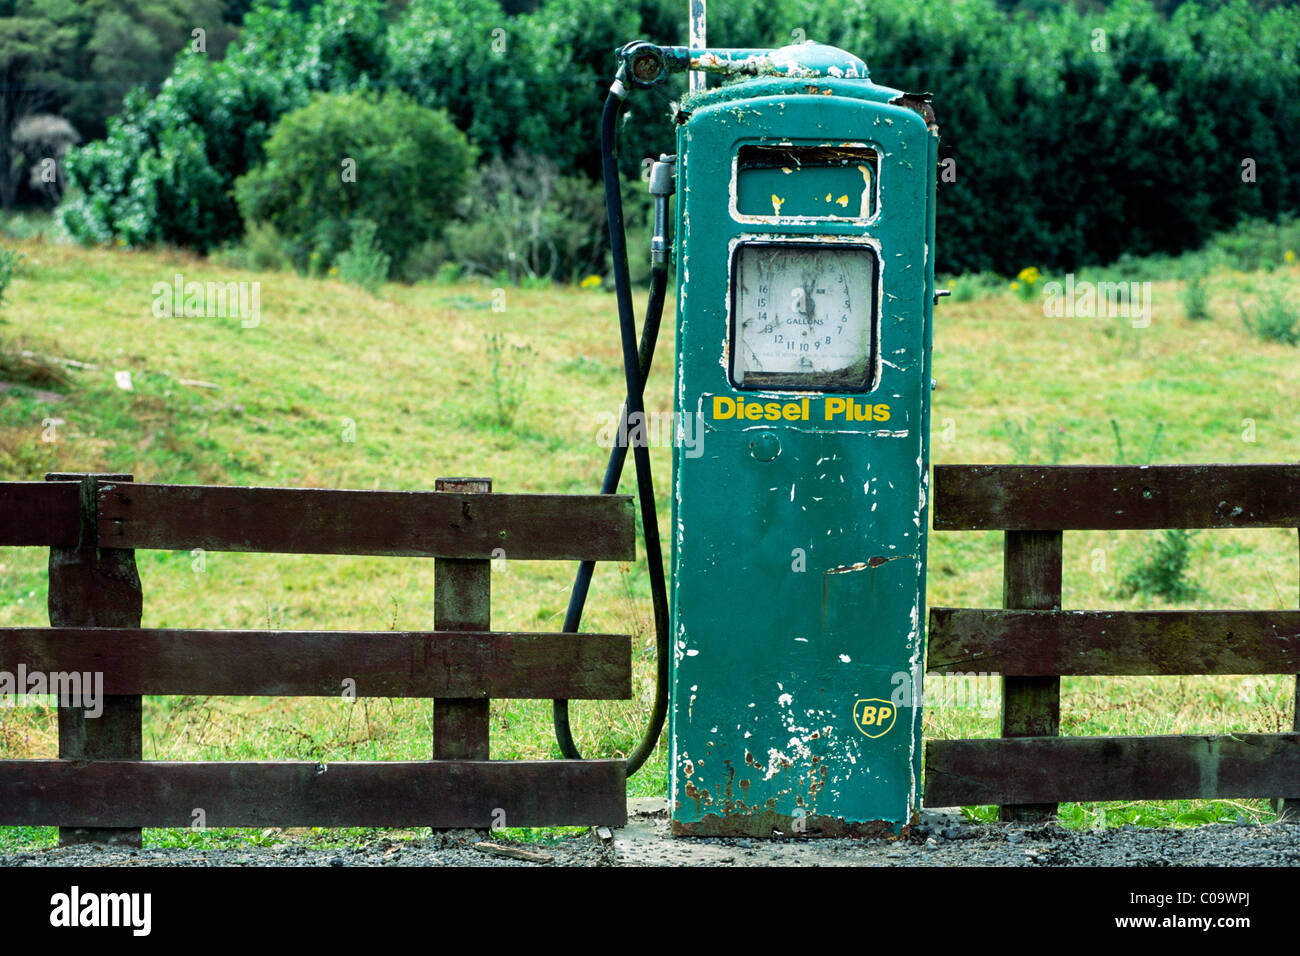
{"points": [[698, 41]]}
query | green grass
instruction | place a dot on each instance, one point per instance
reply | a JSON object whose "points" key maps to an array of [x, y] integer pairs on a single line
{"points": [[408, 376]]}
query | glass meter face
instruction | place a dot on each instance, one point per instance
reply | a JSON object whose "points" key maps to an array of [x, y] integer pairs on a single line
{"points": [[803, 316]]}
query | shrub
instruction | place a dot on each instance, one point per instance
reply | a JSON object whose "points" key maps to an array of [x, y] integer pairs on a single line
{"points": [[508, 376], [1163, 573], [1196, 297], [526, 221], [357, 156], [973, 285], [1025, 284], [1141, 171], [1257, 244], [263, 250], [364, 263], [165, 170], [8, 261], [426, 260], [1274, 318]]}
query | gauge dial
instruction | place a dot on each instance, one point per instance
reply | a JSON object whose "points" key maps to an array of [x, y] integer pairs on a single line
{"points": [[803, 316]]}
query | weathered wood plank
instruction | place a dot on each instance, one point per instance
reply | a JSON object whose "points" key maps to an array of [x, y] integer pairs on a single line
{"points": [[317, 663], [462, 601], [1034, 770], [1288, 807], [332, 521], [1115, 497], [1031, 706], [92, 586], [1063, 643], [40, 514], [295, 793]]}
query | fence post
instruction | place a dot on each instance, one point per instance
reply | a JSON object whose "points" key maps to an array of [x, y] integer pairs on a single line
{"points": [[92, 586], [1031, 706], [462, 601], [1288, 807]]}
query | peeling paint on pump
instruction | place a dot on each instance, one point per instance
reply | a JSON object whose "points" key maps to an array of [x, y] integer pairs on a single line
{"points": [[796, 596]]}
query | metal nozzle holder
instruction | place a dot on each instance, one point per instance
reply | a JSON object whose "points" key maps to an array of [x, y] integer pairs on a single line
{"points": [[663, 183]]}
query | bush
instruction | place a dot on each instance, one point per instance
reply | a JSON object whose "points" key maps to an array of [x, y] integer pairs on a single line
{"points": [[8, 261], [530, 83], [526, 221], [357, 156], [1256, 244], [364, 263], [1163, 574], [508, 363], [263, 250], [1142, 169], [166, 170], [425, 260], [1196, 297], [974, 285], [1274, 318]]}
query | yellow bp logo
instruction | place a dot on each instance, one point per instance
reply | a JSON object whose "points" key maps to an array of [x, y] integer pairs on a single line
{"points": [[874, 717]]}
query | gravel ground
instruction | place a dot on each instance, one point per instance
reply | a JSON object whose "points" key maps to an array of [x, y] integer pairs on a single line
{"points": [[941, 839]]}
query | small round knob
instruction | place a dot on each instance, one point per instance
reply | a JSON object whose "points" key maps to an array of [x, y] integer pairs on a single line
{"points": [[765, 446]]}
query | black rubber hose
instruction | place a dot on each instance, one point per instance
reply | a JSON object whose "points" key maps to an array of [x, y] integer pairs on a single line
{"points": [[634, 366], [609, 486]]}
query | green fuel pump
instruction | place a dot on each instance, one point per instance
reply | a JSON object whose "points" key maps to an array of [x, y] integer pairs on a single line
{"points": [[791, 652]]}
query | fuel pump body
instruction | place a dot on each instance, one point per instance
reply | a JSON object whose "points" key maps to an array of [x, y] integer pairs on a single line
{"points": [[805, 287]]}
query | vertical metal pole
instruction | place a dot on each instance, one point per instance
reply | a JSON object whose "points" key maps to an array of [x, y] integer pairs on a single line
{"points": [[697, 42]]}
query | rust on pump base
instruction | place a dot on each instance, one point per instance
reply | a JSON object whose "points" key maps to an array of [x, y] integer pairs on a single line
{"points": [[732, 816], [767, 823]]}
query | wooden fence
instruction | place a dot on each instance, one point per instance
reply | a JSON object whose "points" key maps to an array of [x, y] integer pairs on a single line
{"points": [[1032, 642], [100, 789]]}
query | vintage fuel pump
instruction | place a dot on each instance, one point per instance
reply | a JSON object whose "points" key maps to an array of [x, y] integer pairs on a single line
{"points": [[805, 287]]}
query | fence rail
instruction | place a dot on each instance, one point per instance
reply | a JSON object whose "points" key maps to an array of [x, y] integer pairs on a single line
{"points": [[101, 790], [437, 664], [1115, 497], [442, 524], [39, 514], [123, 794], [1032, 642], [1074, 643]]}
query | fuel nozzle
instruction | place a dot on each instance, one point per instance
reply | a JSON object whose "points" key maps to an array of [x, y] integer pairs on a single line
{"points": [[663, 183]]}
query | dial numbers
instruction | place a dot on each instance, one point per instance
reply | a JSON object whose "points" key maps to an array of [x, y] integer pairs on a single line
{"points": [[803, 316]]}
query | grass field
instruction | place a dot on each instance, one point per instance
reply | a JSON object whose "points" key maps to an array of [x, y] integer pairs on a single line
{"points": [[334, 387]]}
